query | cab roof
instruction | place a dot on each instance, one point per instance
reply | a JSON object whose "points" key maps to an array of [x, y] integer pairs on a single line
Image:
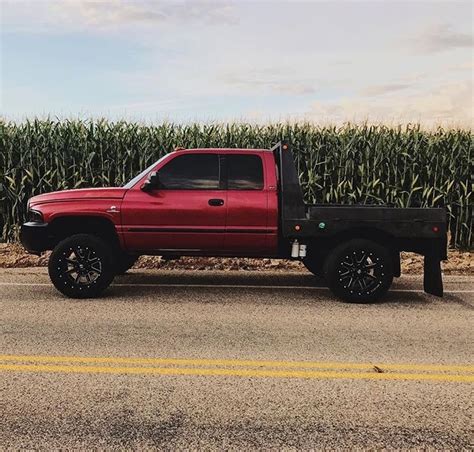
{"points": [[179, 149]]}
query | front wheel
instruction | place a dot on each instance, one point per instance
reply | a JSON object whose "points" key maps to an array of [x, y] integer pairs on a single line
{"points": [[81, 266], [359, 271]]}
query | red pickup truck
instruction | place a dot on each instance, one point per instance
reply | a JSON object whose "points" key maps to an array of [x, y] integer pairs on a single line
{"points": [[228, 202]]}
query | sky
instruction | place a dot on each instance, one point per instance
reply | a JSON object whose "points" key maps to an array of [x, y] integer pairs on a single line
{"points": [[214, 61]]}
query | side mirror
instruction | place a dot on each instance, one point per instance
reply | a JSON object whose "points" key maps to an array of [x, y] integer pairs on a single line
{"points": [[152, 182]]}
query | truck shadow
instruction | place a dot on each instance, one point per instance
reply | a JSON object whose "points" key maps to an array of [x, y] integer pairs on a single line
{"points": [[209, 287], [201, 277]]}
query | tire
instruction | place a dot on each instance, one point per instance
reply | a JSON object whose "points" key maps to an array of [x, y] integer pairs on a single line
{"points": [[124, 263], [359, 271], [81, 266]]}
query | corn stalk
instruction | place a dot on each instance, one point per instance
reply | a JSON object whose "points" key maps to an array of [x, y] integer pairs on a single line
{"points": [[401, 166]]}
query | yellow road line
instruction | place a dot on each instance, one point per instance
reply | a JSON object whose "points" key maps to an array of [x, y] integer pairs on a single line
{"points": [[234, 372], [236, 363]]}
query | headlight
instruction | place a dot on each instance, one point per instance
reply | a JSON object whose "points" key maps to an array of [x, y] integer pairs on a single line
{"points": [[35, 216]]}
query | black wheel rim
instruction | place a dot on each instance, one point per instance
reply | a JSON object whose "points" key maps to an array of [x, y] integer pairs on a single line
{"points": [[361, 272], [80, 266]]}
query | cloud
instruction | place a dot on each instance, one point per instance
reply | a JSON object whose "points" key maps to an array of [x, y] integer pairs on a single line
{"points": [[53, 15], [466, 66], [441, 37], [112, 12], [270, 79], [450, 103], [379, 90]]}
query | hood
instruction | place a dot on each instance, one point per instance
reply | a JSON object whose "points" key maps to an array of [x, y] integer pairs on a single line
{"points": [[79, 194]]}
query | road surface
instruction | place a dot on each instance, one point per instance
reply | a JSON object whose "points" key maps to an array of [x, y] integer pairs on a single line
{"points": [[233, 360]]}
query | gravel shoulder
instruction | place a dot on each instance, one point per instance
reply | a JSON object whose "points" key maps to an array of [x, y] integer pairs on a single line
{"points": [[12, 255]]}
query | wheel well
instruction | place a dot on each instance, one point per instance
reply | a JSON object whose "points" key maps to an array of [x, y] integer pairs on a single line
{"points": [[374, 234], [63, 227], [321, 248]]}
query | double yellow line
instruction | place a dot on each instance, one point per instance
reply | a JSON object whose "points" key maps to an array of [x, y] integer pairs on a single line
{"points": [[237, 368]]}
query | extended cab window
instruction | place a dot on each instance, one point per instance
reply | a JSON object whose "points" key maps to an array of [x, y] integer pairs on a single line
{"points": [[244, 172], [191, 172]]}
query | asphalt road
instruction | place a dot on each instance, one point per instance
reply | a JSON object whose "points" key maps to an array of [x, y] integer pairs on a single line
{"points": [[233, 360]]}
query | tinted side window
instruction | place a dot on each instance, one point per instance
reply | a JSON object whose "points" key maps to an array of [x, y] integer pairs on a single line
{"points": [[244, 172], [191, 172]]}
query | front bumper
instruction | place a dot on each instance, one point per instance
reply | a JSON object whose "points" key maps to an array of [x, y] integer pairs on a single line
{"points": [[35, 237]]}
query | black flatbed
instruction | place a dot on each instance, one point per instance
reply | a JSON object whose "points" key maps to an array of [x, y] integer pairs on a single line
{"points": [[420, 230], [397, 221]]}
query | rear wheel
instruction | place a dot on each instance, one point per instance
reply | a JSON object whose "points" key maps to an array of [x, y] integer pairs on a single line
{"points": [[81, 266], [359, 271]]}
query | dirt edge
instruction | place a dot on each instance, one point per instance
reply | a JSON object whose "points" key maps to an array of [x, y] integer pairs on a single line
{"points": [[12, 255]]}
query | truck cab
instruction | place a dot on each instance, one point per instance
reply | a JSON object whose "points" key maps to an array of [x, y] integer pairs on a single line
{"points": [[219, 202]]}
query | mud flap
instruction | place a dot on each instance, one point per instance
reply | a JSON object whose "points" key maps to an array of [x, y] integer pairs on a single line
{"points": [[397, 270], [432, 279]]}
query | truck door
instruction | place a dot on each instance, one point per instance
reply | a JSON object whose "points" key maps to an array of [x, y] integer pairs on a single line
{"points": [[247, 228], [187, 211]]}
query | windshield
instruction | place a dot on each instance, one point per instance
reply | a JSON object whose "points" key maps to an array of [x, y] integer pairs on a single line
{"points": [[132, 182]]}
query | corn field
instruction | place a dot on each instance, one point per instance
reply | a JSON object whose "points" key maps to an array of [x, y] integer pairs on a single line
{"points": [[402, 166]]}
